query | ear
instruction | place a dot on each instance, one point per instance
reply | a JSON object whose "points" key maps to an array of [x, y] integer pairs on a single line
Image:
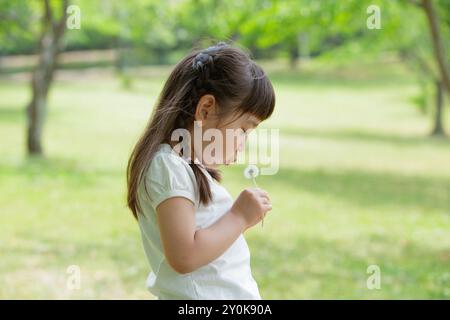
{"points": [[206, 108]]}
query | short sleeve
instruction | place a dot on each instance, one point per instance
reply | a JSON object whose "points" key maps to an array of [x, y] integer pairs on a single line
{"points": [[169, 177]]}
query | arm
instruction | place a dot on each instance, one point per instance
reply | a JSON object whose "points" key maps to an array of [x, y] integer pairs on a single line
{"points": [[187, 249]]}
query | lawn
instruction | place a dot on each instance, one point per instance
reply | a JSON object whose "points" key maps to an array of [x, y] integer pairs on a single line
{"points": [[360, 183]]}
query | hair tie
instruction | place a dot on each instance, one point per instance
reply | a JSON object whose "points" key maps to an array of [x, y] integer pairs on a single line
{"points": [[200, 60], [205, 55]]}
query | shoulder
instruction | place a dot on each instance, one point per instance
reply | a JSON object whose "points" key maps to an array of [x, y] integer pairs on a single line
{"points": [[166, 163], [168, 175]]}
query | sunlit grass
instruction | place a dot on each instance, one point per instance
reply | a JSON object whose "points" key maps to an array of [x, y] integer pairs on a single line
{"points": [[360, 183]]}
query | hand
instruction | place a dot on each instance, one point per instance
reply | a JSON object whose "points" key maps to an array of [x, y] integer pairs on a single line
{"points": [[251, 206]]}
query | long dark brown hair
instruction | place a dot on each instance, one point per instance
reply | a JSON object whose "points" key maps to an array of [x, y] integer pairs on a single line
{"points": [[239, 86]]}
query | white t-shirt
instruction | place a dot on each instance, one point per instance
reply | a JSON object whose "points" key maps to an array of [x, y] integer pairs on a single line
{"points": [[227, 277]]}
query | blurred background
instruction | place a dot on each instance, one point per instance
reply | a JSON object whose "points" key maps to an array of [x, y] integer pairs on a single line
{"points": [[362, 91]]}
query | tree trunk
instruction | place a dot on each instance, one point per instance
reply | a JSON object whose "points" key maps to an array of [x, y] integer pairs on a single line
{"points": [[438, 45], [49, 48], [294, 54], [438, 127]]}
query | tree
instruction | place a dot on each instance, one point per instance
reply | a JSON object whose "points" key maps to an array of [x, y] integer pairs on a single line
{"points": [[406, 30], [443, 79], [50, 43], [424, 49]]}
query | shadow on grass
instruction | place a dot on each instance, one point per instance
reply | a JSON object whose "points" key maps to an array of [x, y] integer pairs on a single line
{"points": [[12, 115], [337, 268], [362, 188], [367, 136], [37, 166], [357, 187], [120, 252]]}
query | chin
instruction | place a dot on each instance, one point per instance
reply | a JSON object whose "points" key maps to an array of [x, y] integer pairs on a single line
{"points": [[227, 163], [219, 163]]}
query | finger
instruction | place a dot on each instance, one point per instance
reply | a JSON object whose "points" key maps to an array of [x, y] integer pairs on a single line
{"points": [[262, 192], [264, 199]]}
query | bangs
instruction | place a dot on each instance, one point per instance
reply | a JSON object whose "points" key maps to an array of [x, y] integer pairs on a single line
{"points": [[260, 101]]}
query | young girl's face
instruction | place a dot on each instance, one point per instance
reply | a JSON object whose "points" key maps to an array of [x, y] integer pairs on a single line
{"points": [[235, 132], [230, 131]]}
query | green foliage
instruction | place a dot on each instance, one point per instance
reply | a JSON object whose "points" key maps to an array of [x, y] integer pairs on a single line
{"points": [[150, 29], [18, 26]]}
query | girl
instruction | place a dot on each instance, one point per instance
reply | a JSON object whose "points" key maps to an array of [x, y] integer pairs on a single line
{"points": [[191, 229]]}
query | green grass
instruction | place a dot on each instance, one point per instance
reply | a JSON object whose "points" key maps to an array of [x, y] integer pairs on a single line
{"points": [[360, 183]]}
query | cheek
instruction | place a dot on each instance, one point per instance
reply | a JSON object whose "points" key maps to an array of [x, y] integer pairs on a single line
{"points": [[240, 142], [237, 144]]}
